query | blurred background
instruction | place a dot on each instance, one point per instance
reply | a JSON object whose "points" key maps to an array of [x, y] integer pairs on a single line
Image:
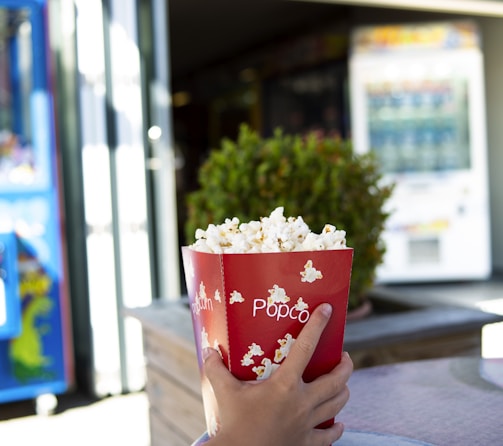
{"points": [[109, 107]]}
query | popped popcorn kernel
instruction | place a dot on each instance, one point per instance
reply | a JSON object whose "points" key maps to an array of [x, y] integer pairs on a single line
{"points": [[275, 233]]}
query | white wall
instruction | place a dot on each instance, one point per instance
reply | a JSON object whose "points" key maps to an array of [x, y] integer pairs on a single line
{"points": [[492, 34]]}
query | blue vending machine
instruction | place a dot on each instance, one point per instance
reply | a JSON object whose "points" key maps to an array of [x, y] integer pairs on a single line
{"points": [[35, 338]]}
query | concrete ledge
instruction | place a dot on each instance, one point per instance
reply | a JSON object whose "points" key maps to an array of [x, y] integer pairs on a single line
{"points": [[423, 321], [414, 325]]}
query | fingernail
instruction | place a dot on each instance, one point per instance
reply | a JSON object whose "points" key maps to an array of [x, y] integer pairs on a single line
{"points": [[326, 309]]}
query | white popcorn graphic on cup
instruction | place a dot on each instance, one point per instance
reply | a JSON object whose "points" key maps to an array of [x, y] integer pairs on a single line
{"points": [[236, 297], [265, 370], [217, 296], [254, 350], [285, 346], [247, 360], [300, 305], [268, 367], [277, 296], [205, 343], [201, 300], [310, 273], [202, 291]]}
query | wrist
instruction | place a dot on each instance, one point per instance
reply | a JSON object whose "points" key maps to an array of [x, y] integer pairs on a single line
{"points": [[226, 439]]}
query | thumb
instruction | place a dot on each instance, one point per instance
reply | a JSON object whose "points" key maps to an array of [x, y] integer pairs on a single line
{"points": [[215, 370]]}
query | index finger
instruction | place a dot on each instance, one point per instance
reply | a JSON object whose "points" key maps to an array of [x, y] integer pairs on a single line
{"points": [[303, 348]]}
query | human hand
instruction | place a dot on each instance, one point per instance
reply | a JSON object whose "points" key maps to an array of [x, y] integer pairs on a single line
{"points": [[282, 410]]}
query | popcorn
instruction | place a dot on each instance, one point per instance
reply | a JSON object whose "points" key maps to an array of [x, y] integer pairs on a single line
{"points": [[251, 308], [275, 233]]}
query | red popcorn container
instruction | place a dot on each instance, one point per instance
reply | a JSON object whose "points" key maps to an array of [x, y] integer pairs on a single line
{"points": [[251, 308]]}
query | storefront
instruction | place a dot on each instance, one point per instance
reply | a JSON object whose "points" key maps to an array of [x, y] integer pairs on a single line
{"points": [[131, 128]]}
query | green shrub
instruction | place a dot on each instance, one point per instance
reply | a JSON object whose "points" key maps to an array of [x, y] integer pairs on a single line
{"points": [[321, 179]]}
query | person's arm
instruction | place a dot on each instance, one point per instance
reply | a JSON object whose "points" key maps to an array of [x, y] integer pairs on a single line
{"points": [[282, 410]]}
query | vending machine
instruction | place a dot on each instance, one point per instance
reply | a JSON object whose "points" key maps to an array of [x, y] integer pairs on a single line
{"points": [[10, 304], [35, 342], [417, 102]]}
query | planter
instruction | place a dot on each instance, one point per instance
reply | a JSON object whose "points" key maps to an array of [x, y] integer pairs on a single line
{"points": [[320, 179]]}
